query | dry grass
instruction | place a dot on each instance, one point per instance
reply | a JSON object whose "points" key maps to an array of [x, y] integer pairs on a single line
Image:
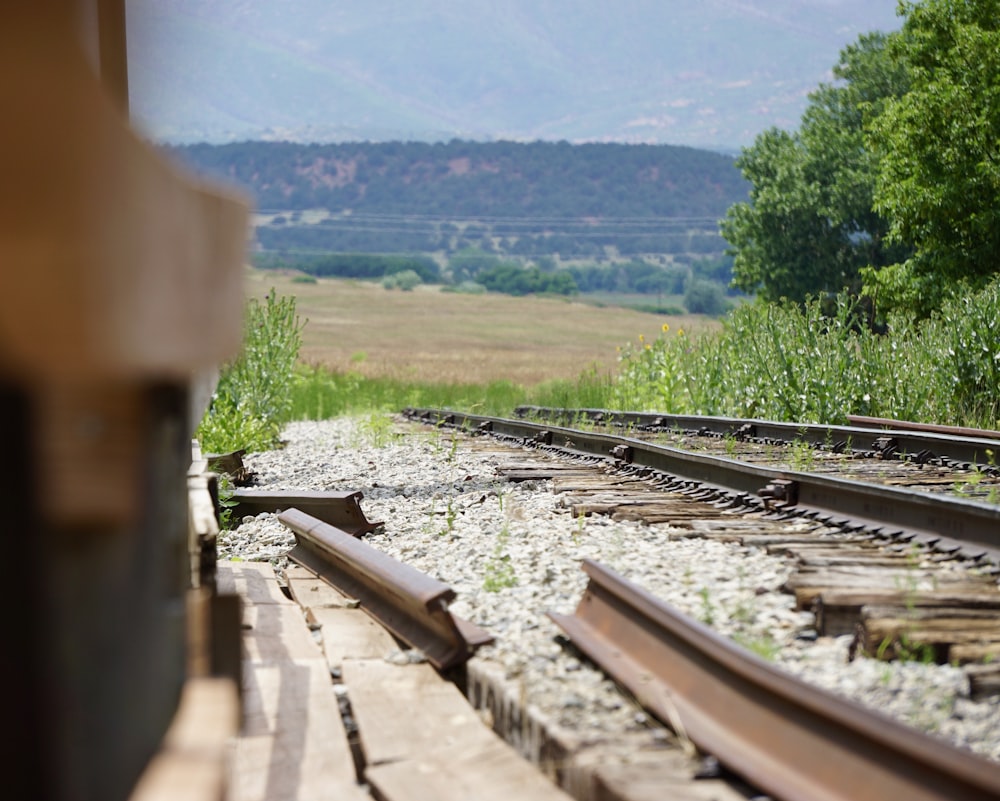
{"points": [[434, 336]]}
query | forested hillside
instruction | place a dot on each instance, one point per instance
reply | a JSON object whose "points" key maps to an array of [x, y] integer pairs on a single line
{"points": [[513, 199]]}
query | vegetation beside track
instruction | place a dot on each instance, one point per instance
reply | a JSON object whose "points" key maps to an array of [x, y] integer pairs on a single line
{"points": [[815, 362], [252, 400], [806, 363], [818, 362]]}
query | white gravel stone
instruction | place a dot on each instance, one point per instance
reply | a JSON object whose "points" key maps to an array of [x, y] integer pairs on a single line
{"points": [[512, 553]]}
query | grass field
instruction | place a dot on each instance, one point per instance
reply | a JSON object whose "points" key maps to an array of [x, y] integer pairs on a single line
{"points": [[434, 336]]}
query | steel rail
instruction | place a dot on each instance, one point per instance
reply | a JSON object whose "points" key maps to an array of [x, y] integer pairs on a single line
{"points": [[410, 604], [907, 425], [792, 740], [955, 525], [874, 435]]}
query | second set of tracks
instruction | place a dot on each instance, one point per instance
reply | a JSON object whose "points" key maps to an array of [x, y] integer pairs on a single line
{"points": [[738, 707], [964, 526]]}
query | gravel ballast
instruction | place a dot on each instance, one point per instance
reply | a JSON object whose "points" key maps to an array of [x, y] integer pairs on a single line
{"points": [[512, 553]]}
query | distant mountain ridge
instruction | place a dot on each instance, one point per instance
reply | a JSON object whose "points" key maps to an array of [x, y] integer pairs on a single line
{"points": [[461, 178], [709, 74], [526, 199]]}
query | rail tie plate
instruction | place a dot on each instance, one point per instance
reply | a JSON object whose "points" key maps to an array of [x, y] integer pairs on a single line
{"points": [[339, 509]]}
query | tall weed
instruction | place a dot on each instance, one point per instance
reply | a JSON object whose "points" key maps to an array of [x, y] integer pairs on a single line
{"points": [[252, 399], [818, 363]]}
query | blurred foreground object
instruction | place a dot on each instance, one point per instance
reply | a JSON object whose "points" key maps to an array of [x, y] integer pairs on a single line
{"points": [[121, 288]]}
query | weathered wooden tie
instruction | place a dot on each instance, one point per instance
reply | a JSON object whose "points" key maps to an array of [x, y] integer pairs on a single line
{"points": [[293, 745]]}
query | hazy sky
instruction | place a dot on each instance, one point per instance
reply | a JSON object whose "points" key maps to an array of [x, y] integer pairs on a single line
{"points": [[711, 73]]}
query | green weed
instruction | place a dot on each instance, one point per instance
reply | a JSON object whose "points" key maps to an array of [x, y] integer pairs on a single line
{"points": [[499, 573], [377, 429], [816, 363], [226, 501], [707, 607], [903, 647], [252, 400], [764, 645], [450, 515], [802, 456]]}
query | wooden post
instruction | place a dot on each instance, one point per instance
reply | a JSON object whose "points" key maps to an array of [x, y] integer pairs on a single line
{"points": [[122, 281]]}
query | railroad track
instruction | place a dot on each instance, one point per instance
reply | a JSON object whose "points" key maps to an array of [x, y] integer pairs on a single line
{"points": [[824, 541], [952, 525], [940, 459], [881, 594]]}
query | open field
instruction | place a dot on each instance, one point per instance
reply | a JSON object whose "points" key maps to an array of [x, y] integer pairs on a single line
{"points": [[429, 335]]}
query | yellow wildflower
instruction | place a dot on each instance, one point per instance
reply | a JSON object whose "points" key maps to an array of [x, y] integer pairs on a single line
{"points": [[680, 332], [666, 327], [642, 338]]}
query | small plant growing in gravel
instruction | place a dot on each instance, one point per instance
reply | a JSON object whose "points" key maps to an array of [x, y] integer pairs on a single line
{"points": [[907, 650], [226, 501], [499, 574], [429, 526], [377, 429], [450, 514], [764, 645], [707, 607], [730, 445], [688, 578], [453, 450], [802, 457]]}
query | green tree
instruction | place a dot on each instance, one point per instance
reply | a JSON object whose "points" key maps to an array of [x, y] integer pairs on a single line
{"points": [[939, 154], [704, 297], [809, 225], [407, 280]]}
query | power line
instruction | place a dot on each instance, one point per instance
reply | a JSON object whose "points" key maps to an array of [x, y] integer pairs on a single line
{"points": [[584, 220], [576, 229]]}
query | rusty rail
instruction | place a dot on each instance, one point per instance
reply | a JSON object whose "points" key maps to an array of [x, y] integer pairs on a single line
{"points": [[863, 435], [791, 740], [929, 428], [410, 604]]}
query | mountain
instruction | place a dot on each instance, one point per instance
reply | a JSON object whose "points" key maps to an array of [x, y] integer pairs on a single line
{"points": [[711, 74], [526, 199]]}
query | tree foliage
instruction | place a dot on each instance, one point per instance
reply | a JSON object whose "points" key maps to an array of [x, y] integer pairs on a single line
{"points": [[809, 225], [705, 297], [892, 182], [352, 265], [465, 179], [512, 279], [938, 148]]}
